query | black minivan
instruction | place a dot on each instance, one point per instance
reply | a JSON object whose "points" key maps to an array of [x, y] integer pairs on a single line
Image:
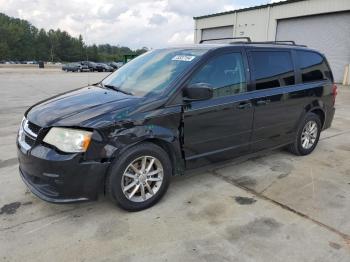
{"points": [[169, 110]]}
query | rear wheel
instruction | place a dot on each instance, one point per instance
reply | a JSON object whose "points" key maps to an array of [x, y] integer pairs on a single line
{"points": [[140, 177], [307, 136]]}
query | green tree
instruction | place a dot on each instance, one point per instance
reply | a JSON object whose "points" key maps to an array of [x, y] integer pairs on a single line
{"points": [[19, 40], [4, 50], [42, 46]]}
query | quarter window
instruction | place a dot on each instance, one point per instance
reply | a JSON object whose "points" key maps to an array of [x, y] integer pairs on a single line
{"points": [[313, 67], [225, 73], [272, 69]]}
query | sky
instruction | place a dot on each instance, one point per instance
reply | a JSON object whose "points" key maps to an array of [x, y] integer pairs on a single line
{"points": [[132, 23]]}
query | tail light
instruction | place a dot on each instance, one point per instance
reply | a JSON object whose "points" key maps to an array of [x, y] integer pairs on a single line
{"points": [[334, 92]]}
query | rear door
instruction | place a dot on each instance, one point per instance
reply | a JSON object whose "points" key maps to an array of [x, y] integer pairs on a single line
{"points": [[277, 104], [220, 127]]}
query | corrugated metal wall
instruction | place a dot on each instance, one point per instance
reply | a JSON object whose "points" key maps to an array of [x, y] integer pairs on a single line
{"points": [[217, 32], [329, 33]]}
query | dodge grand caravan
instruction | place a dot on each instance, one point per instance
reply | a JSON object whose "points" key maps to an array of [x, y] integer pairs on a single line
{"points": [[169, 110]]}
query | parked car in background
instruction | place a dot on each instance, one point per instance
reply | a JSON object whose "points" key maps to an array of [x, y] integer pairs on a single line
{"points": [[120, 64], [75, 67], [115, 65], [91, 65], [102, 67]]}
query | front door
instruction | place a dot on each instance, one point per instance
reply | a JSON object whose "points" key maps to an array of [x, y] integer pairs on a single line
{"points": [[220, 127]]}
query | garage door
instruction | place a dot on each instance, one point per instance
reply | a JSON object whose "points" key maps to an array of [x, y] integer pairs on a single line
{"points": [[329, 33], [217, 32]]}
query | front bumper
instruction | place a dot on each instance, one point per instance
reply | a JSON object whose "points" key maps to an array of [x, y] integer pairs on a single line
{"points": [[60, 178]]}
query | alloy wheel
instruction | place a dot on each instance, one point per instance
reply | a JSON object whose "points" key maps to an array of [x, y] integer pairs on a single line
{"points": [[309, 134], [142, 179]]}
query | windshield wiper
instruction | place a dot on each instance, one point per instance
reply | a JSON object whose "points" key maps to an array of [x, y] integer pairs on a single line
{"points": [[118, 89]]}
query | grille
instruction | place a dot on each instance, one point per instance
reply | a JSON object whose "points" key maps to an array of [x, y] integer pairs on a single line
{"points": [[34, 128], [29, 141]]}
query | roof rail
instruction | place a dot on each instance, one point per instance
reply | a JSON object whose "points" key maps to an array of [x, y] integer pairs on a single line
{"points": [[249, 41], [286, 42], [226, 38]]}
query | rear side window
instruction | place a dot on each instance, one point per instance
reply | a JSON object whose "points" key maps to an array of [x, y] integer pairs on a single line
{"points": [[313, 67], [272, 69], [225, 73]]}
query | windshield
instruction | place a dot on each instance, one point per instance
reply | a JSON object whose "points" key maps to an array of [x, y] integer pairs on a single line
{"points": [[152, 72]]}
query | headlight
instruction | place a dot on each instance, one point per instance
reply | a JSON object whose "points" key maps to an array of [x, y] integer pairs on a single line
{"points": [[20, 131], [68, 140]]}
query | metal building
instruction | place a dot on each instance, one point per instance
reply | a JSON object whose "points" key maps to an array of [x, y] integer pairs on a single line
{"points": [[320, 24]]}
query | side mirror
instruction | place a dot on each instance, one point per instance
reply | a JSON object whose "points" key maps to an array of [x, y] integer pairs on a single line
{"points": [[198, 91]]}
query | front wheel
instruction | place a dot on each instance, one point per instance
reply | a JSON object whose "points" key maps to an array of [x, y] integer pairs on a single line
{"points": [[140, 177], [307, 136]]}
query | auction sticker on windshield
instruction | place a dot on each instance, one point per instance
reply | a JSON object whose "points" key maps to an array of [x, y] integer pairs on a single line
{"points": [[186, 58]]}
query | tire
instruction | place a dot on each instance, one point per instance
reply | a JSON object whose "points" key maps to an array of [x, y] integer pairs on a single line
{"points": [[300, 147], [121, 176]]}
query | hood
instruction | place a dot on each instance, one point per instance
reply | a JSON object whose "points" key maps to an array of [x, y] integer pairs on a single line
{"points": [[76, 107]]}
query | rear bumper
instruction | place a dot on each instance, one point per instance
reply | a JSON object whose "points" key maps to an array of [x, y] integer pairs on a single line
{"points": [[329, 118], [60, 178]]}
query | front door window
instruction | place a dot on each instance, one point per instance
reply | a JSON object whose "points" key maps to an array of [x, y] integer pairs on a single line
{"points": [[225, 73]]}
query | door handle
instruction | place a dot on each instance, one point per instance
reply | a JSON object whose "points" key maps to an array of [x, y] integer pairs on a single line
{"points": [[244, 105], [262, 102]]}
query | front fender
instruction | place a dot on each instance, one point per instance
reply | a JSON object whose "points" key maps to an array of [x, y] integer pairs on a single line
{"points": [[159, 126]]}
